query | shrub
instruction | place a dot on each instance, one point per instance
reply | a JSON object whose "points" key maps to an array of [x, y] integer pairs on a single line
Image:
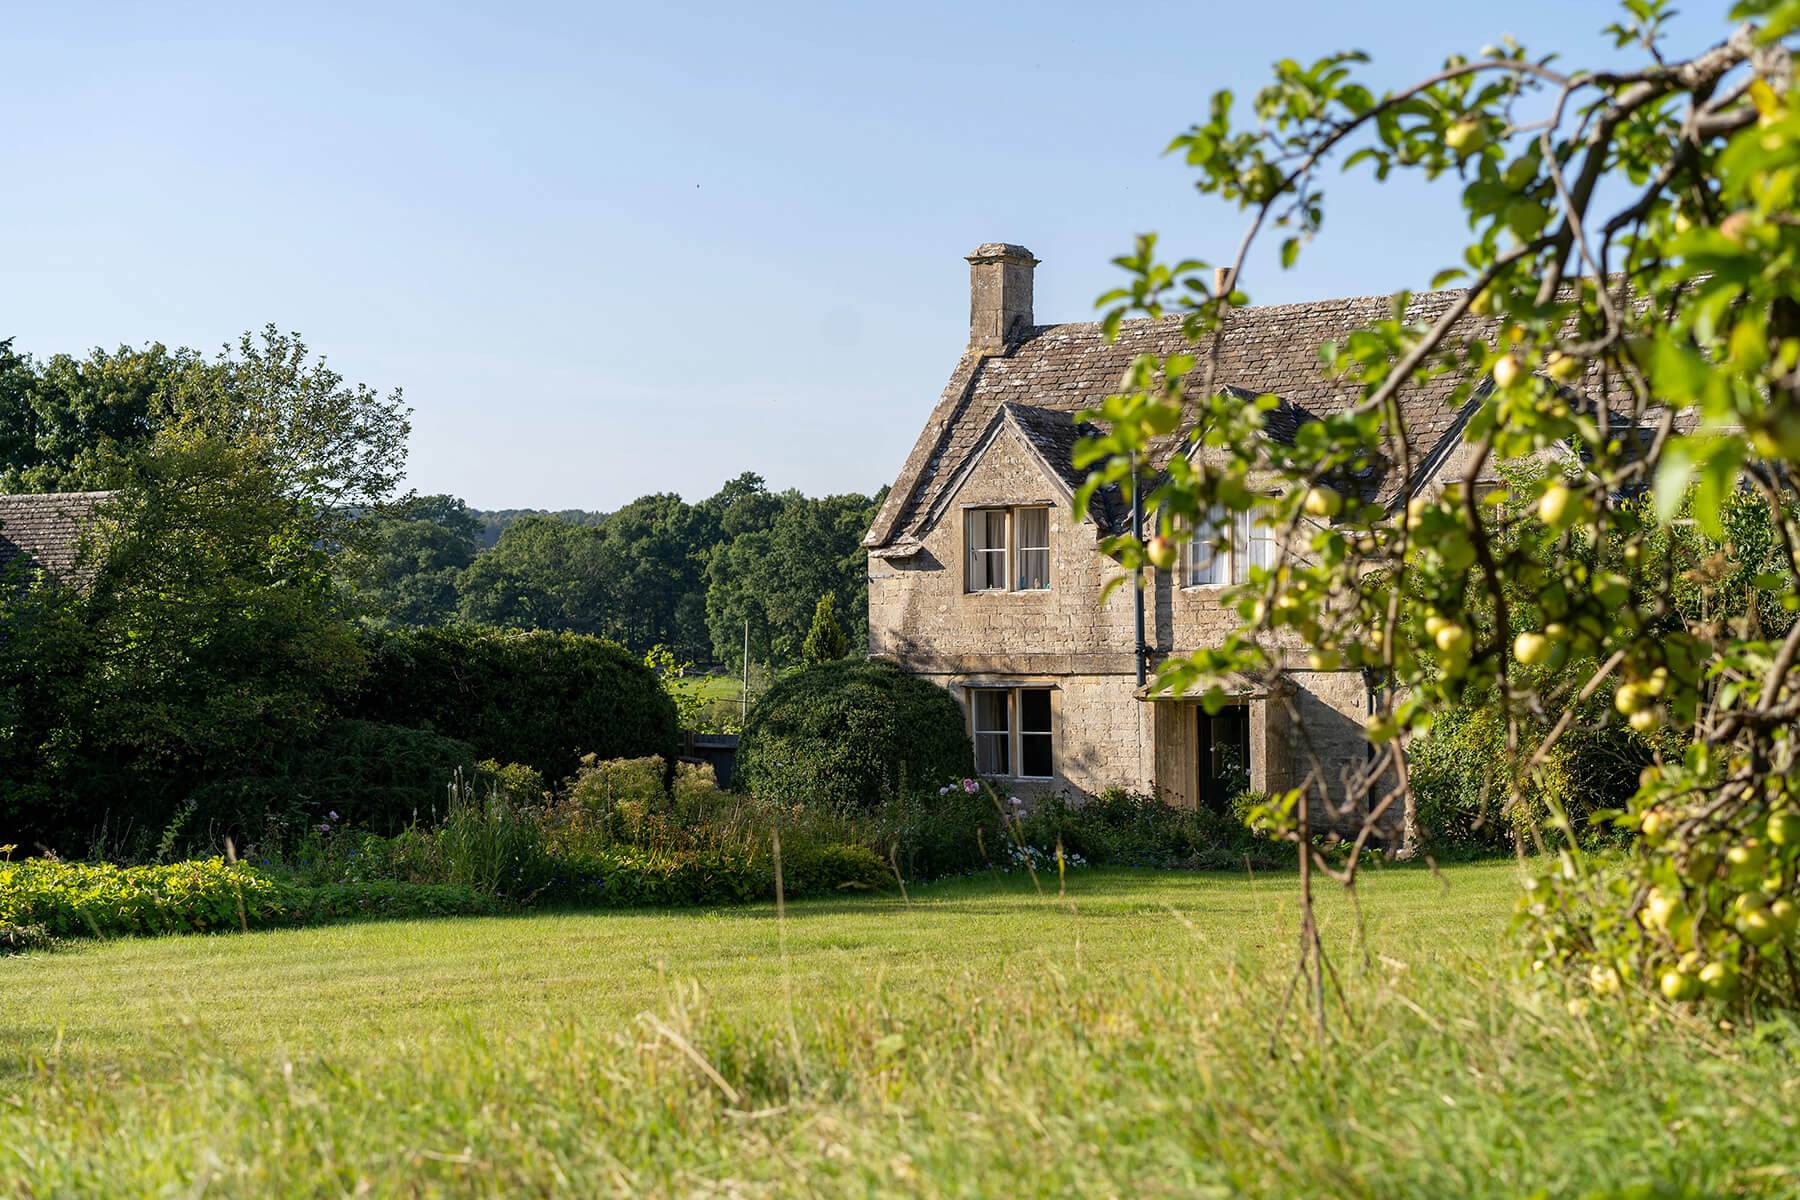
{"points": [[1457, 771], [542, 699], [622, 798], [49, 898], [375, 776], [850, 733], [1128, 829]]}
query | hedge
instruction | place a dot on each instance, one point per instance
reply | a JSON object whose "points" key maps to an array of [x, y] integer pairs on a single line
{"points": [[542, 699]]}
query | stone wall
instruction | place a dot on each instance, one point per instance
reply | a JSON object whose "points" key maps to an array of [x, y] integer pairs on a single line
{"points": [[1066, 639]]}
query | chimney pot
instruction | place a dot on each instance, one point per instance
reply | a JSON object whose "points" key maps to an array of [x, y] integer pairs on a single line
{"points": [[999, 296]]}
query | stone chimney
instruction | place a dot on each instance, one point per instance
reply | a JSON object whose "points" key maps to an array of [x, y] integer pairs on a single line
{"points": [[999, 296]]}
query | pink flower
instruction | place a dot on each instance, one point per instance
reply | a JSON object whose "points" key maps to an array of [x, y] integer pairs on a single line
{"points": [[971, 786]]}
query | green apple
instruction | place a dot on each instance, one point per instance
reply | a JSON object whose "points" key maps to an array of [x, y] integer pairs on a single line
{"points": [[1416, 508], [1556, 505], [1507, 371], [1161, 552], [1323, 502], [1645, 720], [1718, 981], [1454, 640], [1786, 915], [1532, 649], [1630, 698], [1747, 862], [1466, 136], [1758, 926], [1562, 368], [1435, 622], [1604, 980], [1679, 985], [1784, 827], [1656, 824]]}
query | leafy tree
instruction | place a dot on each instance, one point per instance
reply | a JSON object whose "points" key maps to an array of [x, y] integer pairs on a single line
{"points": [[68, 425], [825, 641], [212, 630], [419, 552], [1633, 268], [543, 573], [773, 577]]}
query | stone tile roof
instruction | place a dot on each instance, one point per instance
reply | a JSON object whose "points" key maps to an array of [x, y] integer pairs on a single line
{"points": [[45, 530], [1067, 368], [1053, 434]]}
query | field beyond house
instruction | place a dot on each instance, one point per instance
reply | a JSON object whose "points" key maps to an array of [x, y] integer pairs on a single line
{"points": [[1127, 1040]]}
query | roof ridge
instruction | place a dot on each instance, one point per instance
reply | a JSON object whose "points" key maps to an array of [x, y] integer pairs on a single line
{"points": [[1247, 309]]}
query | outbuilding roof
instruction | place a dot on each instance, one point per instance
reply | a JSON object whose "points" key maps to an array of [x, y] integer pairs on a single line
{"points": [[44, 529]]}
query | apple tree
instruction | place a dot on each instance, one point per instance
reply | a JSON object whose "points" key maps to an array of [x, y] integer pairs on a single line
{"points": [[1627, 345]]}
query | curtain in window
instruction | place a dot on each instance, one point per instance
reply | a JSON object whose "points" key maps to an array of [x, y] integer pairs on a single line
{"points": [[1031, 526], [987, 549], [1209, 554], [993, 731], [1255, 541]]}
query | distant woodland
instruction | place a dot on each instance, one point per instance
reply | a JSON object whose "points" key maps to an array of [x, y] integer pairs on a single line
{"points": [[658, 571]]}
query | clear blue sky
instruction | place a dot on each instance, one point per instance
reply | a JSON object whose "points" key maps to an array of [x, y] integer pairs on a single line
{"points": [[611, 249]]}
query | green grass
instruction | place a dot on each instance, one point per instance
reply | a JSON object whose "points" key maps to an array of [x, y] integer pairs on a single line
{"points": [[710, 687], [979, 1041]]}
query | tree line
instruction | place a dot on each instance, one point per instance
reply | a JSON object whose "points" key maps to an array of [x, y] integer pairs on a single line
{"points": [[658, 571]]}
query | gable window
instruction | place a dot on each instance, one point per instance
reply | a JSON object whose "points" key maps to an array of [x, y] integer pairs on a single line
{"points": [[1013, 735], [1008, 549], [1226, 546]]}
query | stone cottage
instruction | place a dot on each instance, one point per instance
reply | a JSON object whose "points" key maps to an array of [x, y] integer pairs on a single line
{"points": [[981, 580]]}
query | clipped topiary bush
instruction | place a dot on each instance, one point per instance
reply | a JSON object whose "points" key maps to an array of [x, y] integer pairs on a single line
{"points": [[541, 699], [851, 733]]}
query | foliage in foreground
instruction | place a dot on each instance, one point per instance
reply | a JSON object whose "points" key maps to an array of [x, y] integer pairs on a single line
{"points": [[1631, 321]]}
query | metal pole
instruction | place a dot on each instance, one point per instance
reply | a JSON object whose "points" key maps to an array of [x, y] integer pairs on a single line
{"points": [[1137, 528], [746, 708]]}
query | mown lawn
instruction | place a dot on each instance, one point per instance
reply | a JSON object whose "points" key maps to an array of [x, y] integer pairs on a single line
{"points": [[981, 1040]]}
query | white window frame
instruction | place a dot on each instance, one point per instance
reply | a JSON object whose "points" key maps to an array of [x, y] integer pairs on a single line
{"points": [[1012, 737], [1016, 525], [1010, 553]]}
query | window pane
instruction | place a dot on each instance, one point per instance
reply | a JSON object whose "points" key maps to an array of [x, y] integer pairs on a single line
{"points": [[991, 754], [1034, 570], [991, 710], [1255, 541], [1034, 710], [987, 549], [1032, 528], [1035, 742], [1034, 756], [1209, 554]]}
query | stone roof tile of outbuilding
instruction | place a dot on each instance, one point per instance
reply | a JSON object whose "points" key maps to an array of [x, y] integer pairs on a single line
{"points": [[45, 529]]}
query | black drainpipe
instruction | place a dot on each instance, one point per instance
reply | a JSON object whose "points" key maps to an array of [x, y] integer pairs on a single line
{"points": [[1137, 526]]}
